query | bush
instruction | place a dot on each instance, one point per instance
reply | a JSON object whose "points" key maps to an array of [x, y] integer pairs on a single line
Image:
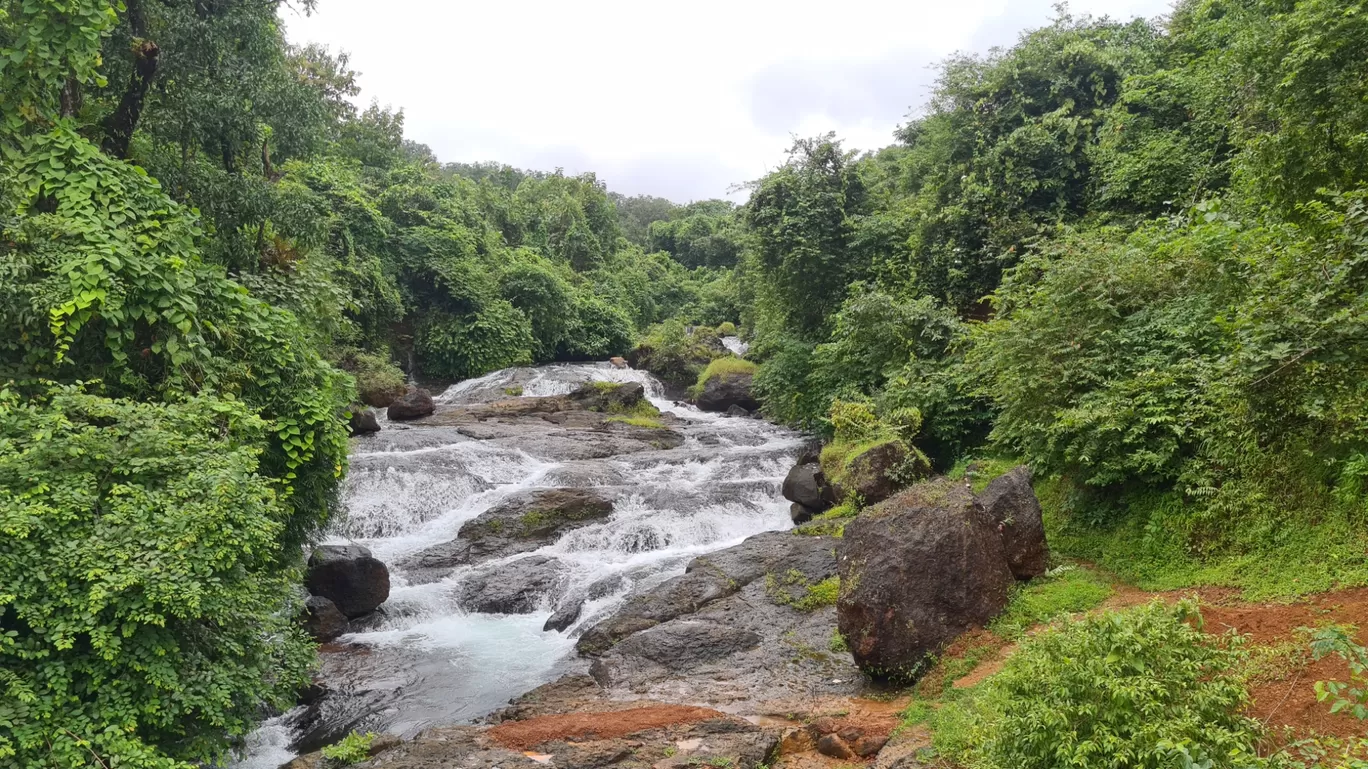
{"points": [[1119, 690], [147, 619], [465, 346], [672, 353], [599, 331], [352, 749], [378, 381]]}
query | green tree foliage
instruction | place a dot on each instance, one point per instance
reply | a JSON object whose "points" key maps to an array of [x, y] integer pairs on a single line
{"points": [[141, 618]]}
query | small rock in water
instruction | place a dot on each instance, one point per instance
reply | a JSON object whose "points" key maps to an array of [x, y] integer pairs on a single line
{"points": [[362, 421], [322, 620], [348, 576], [737, 411]]}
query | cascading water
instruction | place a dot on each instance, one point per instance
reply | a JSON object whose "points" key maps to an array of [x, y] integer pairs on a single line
{"points": [[410, 487]]}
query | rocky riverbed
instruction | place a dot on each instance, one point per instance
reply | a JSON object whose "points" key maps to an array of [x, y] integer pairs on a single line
{"points": [[551, 548]]}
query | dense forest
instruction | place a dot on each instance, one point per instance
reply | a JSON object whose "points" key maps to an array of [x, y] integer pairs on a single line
{"points": [[1133, 254]]}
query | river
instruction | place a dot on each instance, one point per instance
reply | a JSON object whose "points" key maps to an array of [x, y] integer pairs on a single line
{"points": [[429, 663]]}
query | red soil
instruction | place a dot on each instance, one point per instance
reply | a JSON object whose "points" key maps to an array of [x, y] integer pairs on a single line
{"points": [[523, 735]]}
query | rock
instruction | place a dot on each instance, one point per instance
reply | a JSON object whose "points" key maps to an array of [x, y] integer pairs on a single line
{"points": [[569, 609], [722, 391], [415, 403], [806, 484], [521, 523], [608, 396], [710, 578], [835, 747], [362, 421], [869, 745], [684, 645], [917, 571], [1011, 504], [879, 472], [517, 587], [322, 620], [801, 513], [736, 411], [618, 361], [348, 576]]}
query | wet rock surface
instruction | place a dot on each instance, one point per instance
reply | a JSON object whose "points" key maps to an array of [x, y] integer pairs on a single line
{"points": [[515, 587], [917, 571], [723, 391], [520, 524], [806, 485]]}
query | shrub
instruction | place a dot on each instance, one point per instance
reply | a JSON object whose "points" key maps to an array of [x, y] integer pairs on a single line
{"points": [[146, 617], [670, 352], [352, 749], [1063, 590], [599, 330], [1130, 690], [464, 346], [378, 381], [727, 328]]}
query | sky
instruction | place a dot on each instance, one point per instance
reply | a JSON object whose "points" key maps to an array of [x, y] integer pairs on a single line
{"points": [[683, 101]]}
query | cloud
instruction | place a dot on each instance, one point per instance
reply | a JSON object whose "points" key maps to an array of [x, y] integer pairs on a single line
{"points": [[676, 101]]}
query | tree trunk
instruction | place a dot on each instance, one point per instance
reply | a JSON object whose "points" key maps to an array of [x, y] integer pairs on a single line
{"points": [[121, 124]]}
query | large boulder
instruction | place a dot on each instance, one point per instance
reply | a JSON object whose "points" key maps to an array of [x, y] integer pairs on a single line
{"points": [[722, 391], [350, 577], [415, 404], [879, 471], [1011, 504], [521, 523], [362, 421], [806, 485], [917, 571]]}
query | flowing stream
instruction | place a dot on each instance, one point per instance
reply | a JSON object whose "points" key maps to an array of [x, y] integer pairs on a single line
{"points": [[429, 663]]}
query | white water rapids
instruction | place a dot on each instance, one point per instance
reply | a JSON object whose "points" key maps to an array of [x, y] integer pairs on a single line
{"points": [[410, 487]]}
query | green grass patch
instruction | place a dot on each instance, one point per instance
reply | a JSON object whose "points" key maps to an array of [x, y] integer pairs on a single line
{"points": [[982, 471], [831, 523], [1064, 590], [722, 367], [643, 414], [795, 590], [837, 644], [513, 391], [1149, 542]]}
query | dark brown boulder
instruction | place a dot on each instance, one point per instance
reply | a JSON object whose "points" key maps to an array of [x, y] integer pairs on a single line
{"points": [[362, 421], [722, 391], [1011, 504], [917, 571], [801, 513], [878, 472], [806, 484], [348, 576], [322, 620], [415, 404]]}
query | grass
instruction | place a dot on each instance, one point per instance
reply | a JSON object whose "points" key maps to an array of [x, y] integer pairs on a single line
{"points": [[1063, 590], [831, 523], [643, 414], [985, 470], [811, 595], [513, 391], [1149, 543], [722, 367]]}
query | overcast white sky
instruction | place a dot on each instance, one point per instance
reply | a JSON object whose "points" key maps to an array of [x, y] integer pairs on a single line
{"points": [[680, 100]]}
